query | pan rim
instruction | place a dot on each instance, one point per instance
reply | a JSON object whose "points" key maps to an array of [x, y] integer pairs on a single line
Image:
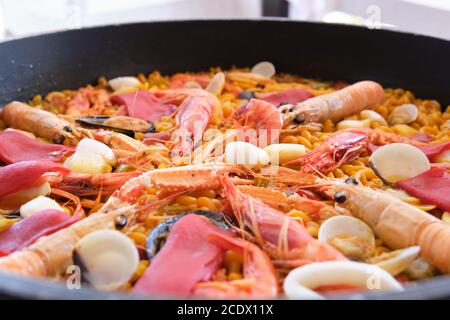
{"points": [[226, 20], [17, 286]]}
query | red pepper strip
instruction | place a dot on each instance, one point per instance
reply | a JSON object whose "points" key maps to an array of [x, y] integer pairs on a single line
{"points": [[144, 105], [23, 175], [16, 146], [23, 233], [187, 258], [431, 187], [430, 150], [292, 96]]}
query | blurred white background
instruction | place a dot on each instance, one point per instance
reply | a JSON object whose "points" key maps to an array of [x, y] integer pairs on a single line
{"points": [[24, 17]]}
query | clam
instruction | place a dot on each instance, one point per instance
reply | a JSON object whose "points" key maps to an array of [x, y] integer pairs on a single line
{"points": [[158, 236], [264, 68], [346, 124], [38, 204], [420, 269], [351, 236], [245, 153], [395, 262], [398, 161], [108, 258], [284, 152], [120, 83], [121, 124], [305, 281], [373, 116], [215, 86], [403, 114]]}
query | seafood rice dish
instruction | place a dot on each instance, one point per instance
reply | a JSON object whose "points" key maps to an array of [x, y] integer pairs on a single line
{"points": [[239, 183]]}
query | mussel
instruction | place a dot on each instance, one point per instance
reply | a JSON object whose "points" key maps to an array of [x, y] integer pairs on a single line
{"points": [[122, 124], [157, 238]]}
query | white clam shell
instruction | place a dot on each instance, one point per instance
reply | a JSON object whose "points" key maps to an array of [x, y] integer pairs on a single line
{"points": [[301, 282], [38, 204], [403, 114], [346, 124], [399, 260], [215, 86], [123, 82], [285, 152], [264, 68], [245, 153], [398, 161], [110, 258], [346, 225], [373, 116]]}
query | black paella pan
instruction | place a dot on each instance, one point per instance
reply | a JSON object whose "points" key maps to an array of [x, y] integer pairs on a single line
{"points": [[71, 59]]}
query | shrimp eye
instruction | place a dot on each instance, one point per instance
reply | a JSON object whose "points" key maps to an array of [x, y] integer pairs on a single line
{"points": [[121, 221], [67, 129], [299, 119], [339, 197], [351, 180]]}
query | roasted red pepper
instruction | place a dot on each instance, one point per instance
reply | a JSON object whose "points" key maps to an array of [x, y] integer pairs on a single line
{"points": [[431, 187], [16, 146], [23, 233], [187, 258], [144, 105], [25, 174]]}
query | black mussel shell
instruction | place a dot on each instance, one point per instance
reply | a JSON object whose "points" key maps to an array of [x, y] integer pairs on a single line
{"points": [[98, 122], [247, 95], [157, 238]]}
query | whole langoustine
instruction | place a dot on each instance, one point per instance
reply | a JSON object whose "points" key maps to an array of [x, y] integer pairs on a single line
{"points": [[51, 255], [397, 223], [40, 122], [338, 105]]}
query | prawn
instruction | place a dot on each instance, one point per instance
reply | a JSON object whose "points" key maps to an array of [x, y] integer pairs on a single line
{"points": [[260, 279], [196, 107], [337, 105], [88, 102], [282, 237], [40, 122], [262, 116], [399, 224], [343, 147]]}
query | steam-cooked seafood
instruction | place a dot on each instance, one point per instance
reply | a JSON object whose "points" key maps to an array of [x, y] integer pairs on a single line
{"points": [[277, 185]]}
